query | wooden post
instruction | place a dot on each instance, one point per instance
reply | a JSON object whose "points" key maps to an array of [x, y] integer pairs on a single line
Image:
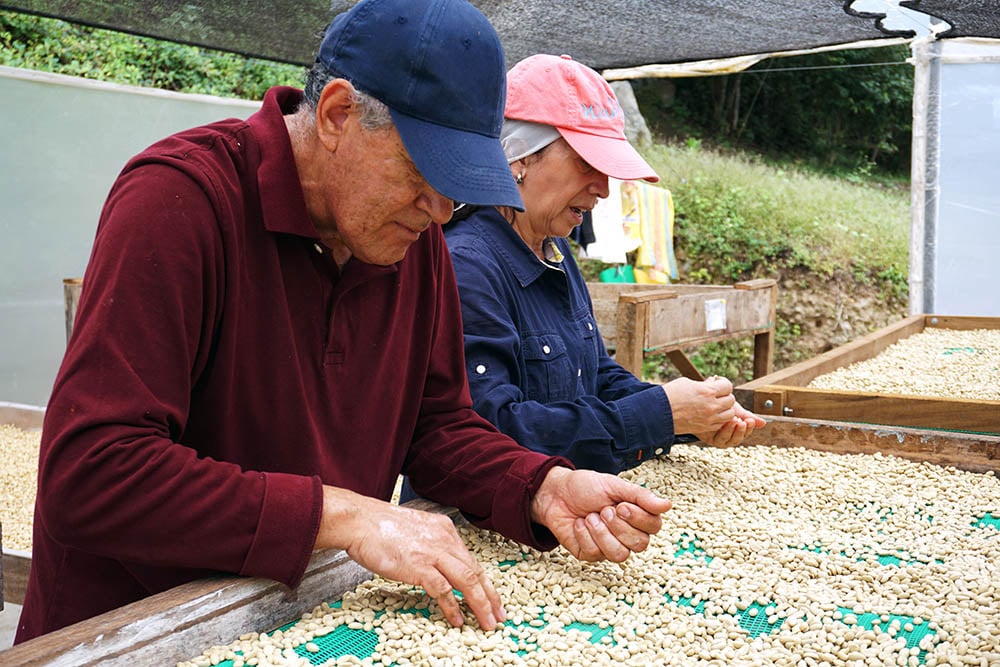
{"points": [[632, 327], [629, 335], [71, 294], [763, 343]]}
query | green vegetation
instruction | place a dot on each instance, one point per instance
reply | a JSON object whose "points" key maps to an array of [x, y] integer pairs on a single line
{"points": [[846, 111], [50, 45], [741, 218]]}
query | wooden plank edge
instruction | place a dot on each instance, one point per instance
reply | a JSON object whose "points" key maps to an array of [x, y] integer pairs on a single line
{"points": [[961, 322], [16, 566], [180, 623], [908, 410], [649, 295], [23, 416], [710, 337], [755, 284], [971, 452]]}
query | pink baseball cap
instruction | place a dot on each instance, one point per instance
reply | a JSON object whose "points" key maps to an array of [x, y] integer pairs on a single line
{"points": [[577, 101]]}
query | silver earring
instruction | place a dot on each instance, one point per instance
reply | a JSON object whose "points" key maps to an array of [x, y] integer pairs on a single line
{"points": [[520, 178]]}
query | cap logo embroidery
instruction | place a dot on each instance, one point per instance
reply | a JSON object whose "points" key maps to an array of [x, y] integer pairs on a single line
{"points": [[596, 111]]}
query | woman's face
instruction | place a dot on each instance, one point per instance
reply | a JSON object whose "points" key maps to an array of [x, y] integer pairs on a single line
{"points": [[558, 187]]}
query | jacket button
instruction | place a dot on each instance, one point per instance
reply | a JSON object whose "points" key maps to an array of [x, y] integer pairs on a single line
{"points": [[590, 327], [546, 349], [480, 369], [659, 450]]}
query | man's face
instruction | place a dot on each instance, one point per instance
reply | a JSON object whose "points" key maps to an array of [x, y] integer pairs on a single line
{"points": [[378, 201]]}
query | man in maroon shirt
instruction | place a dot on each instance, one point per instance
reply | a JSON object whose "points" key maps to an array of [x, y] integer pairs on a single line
{"points": [[269, 333]]}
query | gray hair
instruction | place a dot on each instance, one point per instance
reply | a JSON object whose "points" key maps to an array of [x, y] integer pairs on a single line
{"points": [[374, 113]]}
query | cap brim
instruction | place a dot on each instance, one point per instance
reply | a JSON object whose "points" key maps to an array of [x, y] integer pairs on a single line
{"points": [[610, 155], [467, 167]]}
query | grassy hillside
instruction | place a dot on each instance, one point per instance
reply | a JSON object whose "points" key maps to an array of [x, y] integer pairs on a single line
{"points": [[738, 216]]}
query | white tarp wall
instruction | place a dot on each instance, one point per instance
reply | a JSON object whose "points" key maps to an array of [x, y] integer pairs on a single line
{"points": [[62, 142], [955, 242]]}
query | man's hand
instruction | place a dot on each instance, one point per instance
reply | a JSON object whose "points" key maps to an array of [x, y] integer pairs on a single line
{"points": [[597, 516], [411, 546]]}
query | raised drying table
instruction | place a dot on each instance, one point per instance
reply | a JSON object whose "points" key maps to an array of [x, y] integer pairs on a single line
{"points": [[786, 392], [636, 318], [17, 563], [176, 625]]}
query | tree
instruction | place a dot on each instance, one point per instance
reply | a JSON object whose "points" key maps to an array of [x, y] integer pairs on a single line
{"points": [[846, 109]]}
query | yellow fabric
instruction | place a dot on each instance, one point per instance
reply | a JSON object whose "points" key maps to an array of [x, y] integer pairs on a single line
{"points": [[656, 227], [651, 277], [630, 215]]}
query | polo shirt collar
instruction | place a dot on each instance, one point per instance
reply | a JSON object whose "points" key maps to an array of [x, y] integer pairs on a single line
{"points": [[281, 199]]}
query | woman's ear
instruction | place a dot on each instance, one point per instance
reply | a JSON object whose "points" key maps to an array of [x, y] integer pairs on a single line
{"points": [[332, 111]]}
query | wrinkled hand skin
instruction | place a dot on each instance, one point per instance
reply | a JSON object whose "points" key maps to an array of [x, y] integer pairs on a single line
{"points": [[597, 516], [708, 410], [414, 547], [594, 515]]}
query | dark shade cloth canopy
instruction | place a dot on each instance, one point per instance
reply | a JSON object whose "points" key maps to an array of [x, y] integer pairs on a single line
{"points": [[626, 33], [968, 18]]}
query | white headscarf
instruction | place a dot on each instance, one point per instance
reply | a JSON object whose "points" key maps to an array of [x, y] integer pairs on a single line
{"points": [[521, 138]]}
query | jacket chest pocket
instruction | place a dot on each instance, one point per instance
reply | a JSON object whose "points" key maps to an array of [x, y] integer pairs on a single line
{"points": [[550, 374], [590, 351]]}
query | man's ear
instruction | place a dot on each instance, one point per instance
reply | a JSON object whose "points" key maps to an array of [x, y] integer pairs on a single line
{"points": [[332, 111]]}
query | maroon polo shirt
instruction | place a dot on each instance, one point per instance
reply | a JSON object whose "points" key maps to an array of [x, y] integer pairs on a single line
{"points": [[222, 369]]}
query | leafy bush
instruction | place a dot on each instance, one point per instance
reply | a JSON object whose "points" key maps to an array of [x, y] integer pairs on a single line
{"points": [[50, 45]]}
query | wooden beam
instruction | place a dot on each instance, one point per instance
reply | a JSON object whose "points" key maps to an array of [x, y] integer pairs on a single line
{"points": [[16, 566], [868, 346], [925, 412], [684, 365], [975, 453]]}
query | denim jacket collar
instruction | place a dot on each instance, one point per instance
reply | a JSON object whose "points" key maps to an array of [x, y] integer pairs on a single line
{"points": [[500, 234]]}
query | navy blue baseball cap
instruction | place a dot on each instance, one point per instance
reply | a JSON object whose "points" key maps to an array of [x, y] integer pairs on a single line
{"points": [[439, 67]]}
